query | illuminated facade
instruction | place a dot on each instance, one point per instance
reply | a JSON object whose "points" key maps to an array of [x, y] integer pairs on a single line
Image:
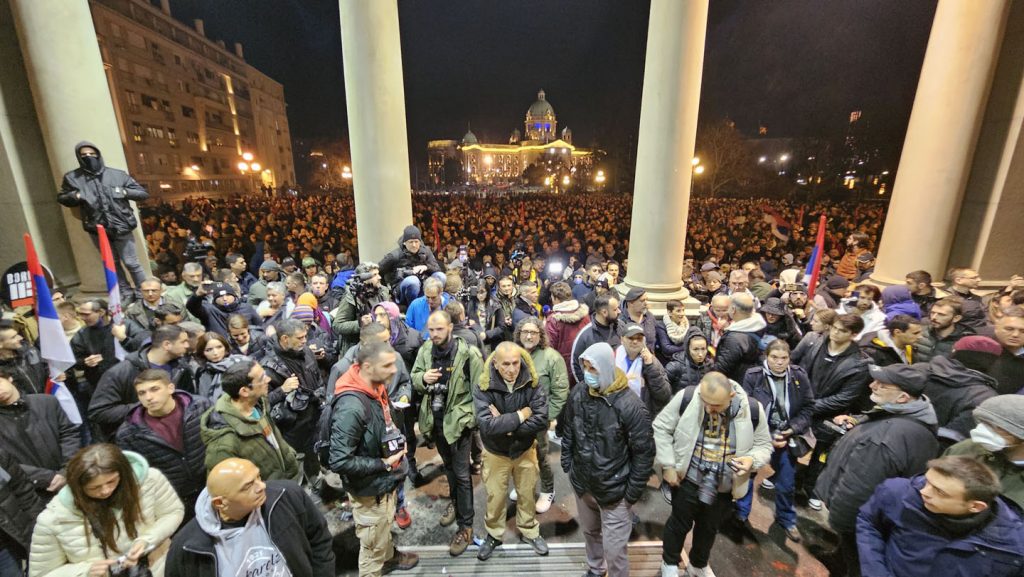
{"points": [[485, 163]]}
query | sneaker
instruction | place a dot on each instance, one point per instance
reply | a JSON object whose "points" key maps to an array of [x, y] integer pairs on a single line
{"points": [[400, 562], [544, 502], [793, 534], [463, 538], [487, 548], [449, 515], [766, 484], [669, 570], [815, 504], [538, 544], [513, 496], [692, 571], [403, 518]]}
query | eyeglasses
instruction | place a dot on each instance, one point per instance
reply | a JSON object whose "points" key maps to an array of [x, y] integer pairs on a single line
{"points": [[528, 333]]}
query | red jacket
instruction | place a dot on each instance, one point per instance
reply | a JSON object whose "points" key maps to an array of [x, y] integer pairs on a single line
{"points": [[563, 324]]}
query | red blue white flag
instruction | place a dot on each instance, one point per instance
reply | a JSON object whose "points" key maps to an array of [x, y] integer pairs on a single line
{"points": [[780, 227], [113, 290], [53, 345], [814, 263]]}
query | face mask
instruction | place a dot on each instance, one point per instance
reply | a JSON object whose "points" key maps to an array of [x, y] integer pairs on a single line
{"points": [[92, 163], [592, 381], [987, 438]]}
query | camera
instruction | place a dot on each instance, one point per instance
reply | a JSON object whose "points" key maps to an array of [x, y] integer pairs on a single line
{"points": [[555, 269], [438, 392], [392, 442], [195, 251]]}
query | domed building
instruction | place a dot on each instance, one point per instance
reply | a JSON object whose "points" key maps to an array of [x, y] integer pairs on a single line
{"points": [[539, 143]]}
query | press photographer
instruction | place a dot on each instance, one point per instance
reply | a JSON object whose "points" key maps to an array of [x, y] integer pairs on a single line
{"points": [[363, 292]]}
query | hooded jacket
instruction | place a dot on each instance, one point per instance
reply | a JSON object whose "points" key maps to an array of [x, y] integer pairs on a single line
{"points": [[740, 347], [896, 535], [406, 342], [103, 194], [896, 300], [566, 320], [37, 433], [357, 428], [458, 408], [896, 441], [553, 378], [682, 371], [591, 334], [883, 351], [508, 434], [955, 391], [227, 433], [63, 544], [607, 445], [19, 505], [296, 527], [400, 386], [215, 317]]}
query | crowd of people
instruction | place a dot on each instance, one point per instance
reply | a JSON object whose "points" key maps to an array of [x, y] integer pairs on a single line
{"points": [[260, 370]]}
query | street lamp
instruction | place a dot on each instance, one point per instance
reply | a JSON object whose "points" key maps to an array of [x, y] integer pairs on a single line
{"points": [[600, 177], [565, 180], [695, 161], [247, 156], [699, 169]]}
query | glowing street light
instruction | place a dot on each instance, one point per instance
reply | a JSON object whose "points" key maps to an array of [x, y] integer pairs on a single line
{"points": [[565, 180], [547, 181], [243, 166], [784, 158], [247, 156], [346, 173], [695, 161], [699, 169], [255, 167], [600, 177], [762, 160]]}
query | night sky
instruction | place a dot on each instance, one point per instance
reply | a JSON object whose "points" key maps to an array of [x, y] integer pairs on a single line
{"points": [[797, 66]]}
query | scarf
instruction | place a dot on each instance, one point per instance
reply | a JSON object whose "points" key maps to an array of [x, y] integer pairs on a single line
{"points": [[676, 333], [633, 370]]}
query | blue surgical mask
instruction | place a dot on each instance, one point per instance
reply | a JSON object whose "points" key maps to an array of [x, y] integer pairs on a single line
{"points": [[592, 380]]}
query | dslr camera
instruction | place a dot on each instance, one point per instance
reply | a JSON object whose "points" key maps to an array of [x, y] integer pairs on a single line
{"points": [[392, 443]]}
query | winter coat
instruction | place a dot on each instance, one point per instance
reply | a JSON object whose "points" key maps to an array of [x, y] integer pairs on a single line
{"points": [[845, 388], [472, 338], [94, 340], [666, 349], [607, 444], [215, 317], [400, 385], [30, 371], [185, 470], [800, 396], [896, 300], [19, 505], [740, 347], [785, 329], [648, 322], [682, 371], [179, 295], [881, 349], [888, 445], [955, 391], [345, 323], [357, 428], [63, 544], [406, 344], [103, 197], [1011, 476], [398, 264], [566, 320], [458, 409], [508, 434], [706, 325], [1008, 371], [931, 345], [115, 394], [676, 434], [553, 378], [593, 333], [523, 310], [296, 526], [258, 343], [37, 433], [278, 363], [227, 433], [485, 322], [896, 535], [209, 374]]}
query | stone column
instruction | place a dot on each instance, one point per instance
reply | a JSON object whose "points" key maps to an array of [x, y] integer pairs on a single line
{"points": [[375, 96], [73, 103], [937, 154], [668, 133]]}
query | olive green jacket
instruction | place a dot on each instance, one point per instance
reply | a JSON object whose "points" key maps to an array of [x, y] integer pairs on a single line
{"points": [[1010, 475], [458, 409], [227, 433], [553, 376]]}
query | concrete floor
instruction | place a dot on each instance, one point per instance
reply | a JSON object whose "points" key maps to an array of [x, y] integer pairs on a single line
{"points": [[765, 552]]}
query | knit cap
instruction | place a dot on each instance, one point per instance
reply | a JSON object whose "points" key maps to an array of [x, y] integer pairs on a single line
{"points": [[1005, 412], [303, 313], [977, 352]]}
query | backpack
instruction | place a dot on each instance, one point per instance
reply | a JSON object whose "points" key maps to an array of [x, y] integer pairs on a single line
{"points": [[688, 392], [322, 440]]}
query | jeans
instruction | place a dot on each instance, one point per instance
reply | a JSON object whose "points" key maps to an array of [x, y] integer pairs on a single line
{"points": [[785, 489], [689, 513], [456, 467], [125, 257], [411, 287], [606, 533], [10, 566], [547, 476]]}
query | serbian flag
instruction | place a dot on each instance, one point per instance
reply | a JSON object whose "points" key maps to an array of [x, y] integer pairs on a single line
{"points": [[780, 227], [54, 346], [437, 235], [113, 290], [814, 263]]}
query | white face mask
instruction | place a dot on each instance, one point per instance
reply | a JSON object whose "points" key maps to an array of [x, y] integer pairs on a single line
{"points": [[987, 438]]}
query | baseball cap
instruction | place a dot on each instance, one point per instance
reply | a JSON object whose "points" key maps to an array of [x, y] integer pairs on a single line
{"points": [[632, 330], [906, 377]]}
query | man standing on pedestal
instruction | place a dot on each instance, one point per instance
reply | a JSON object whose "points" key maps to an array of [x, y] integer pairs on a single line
{"points": [[103, 194]]}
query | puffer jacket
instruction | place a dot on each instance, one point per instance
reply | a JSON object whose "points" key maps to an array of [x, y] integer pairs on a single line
{"points": [[103, 197], [62, 543], [740, 347], [681, 370], [398, 264], [931, 345], [227, 433], [185, 470], [553, 378], [458, 409], [607, 444], [345, 323], [506, 434], [676, 434], [955, 391], [19, 504]]}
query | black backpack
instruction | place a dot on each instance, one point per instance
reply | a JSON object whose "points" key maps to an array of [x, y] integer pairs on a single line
{"points": [[688, 392], [322, 441]]}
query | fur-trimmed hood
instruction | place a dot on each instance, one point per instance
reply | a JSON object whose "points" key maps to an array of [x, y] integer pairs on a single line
{"points": [[526, 377], [570, 312]]}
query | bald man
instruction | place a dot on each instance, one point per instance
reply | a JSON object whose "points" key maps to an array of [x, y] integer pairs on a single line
{"points": [[740, 346], [245, 526]]}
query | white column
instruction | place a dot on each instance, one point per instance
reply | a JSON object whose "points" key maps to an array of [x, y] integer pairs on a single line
{"points": [[375, 96], [73, 102], [951, 96], [668, 133]]}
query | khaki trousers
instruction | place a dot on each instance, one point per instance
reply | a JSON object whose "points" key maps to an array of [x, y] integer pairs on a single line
{"points": [[373, 528], [524, 473]]}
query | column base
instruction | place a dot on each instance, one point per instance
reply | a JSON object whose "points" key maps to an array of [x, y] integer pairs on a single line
{"points": [[660, 293]]}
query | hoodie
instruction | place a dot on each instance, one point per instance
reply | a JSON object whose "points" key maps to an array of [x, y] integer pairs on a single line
{"points": [[682, 370], [896, 300], [955, 391], [244, 550], [740, 347], [102, 193]]}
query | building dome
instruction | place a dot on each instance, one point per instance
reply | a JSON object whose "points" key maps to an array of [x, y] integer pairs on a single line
{"points": [[540, 108], [469, 138]]}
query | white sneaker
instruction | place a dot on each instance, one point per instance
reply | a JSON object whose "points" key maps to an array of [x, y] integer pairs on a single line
{"points": [[815, 504], [544, 502], [766, 484], [513, 496], [692, 571], [669, 570]]}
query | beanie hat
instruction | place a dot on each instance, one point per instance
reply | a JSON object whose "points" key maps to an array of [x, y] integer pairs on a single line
{"points": [[303, 313], [308, 299], [411, 233], [1005, 412], [836, 282], [977, 352], [221, 289], [713, 276], [308, 262], [270, 264]]}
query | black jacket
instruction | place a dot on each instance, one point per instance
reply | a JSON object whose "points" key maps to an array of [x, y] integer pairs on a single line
{"points": [[738, 350], [886, 446], [505, 434], [955, 391], [800, 395], [215, 318], [95, 340], [666, 349], [591, 334], [38, 435], [398, 264], [878, 351], [185, 470], [842, 386], [115, 393], [607, 443], [278, 364], [258, 344], [103, 197], [296, 526], [19, 505], [30, 372], [1008, 371], [407, 344], [681, 370]]}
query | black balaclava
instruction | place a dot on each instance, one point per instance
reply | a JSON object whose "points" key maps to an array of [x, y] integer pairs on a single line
{"points": [[90, 164]]}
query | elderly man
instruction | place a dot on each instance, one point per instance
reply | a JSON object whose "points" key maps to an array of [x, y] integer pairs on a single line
{"points": [[634, 311], [143, 310], [740, 345], [247, 526], [714, 320], [191, 278]]}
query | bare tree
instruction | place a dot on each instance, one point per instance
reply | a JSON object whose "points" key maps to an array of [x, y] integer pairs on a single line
{"points": [[727, 160]]}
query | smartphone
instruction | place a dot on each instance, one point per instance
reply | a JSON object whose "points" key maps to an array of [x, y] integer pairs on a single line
{"points": [[734, 466]]}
